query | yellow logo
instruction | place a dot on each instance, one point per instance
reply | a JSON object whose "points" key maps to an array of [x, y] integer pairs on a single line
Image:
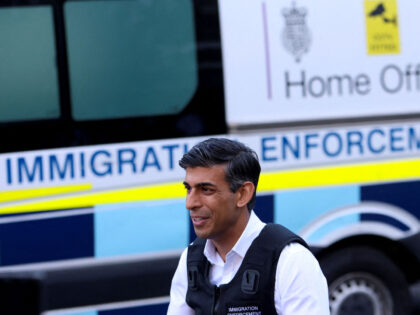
{"points": [[382, 34]]}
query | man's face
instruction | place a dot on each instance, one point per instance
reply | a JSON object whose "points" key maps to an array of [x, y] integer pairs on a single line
{"points": [[212, 205]]}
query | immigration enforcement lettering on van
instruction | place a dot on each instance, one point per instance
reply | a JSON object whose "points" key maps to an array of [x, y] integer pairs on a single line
{"points": [[340, 144], [92, 163], [153, 162]]}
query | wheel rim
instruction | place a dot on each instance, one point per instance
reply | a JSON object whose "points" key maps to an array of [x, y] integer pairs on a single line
{"points": [[359, 293]]}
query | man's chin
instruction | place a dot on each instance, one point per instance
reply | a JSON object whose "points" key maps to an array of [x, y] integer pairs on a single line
{"points": [[201, 234]]}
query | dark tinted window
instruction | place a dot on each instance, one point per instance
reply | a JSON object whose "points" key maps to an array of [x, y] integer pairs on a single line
{"points": [[28, 70], [130, 58]]}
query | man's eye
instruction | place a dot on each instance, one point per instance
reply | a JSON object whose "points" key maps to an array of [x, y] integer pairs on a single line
{"points": [[207, 189]]}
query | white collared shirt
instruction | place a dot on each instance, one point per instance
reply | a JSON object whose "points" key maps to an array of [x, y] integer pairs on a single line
{"points": [[300, 286]]}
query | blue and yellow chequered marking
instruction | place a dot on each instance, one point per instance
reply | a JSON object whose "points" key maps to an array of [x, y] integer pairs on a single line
{"points": [[82, 196]]}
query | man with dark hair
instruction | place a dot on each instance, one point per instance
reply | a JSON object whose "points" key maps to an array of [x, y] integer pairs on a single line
{"points": [[238, 264]]}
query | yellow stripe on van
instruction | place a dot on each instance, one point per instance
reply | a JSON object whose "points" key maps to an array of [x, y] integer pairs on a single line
{"points": [[144, 193], [291, 179], [22, 194], [340, 175]]}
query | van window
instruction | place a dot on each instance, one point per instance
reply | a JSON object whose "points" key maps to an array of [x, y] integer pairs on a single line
{"points": [[28, 70], [130, 58]]}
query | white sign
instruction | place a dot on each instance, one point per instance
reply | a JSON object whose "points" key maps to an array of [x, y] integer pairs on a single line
{"points": [[303, 60]]}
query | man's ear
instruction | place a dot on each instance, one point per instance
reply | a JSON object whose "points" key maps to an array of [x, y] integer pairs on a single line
{"points": [[245, 193]]}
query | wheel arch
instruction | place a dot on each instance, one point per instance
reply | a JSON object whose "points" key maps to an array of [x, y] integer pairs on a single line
{"points": [[405, 260]]}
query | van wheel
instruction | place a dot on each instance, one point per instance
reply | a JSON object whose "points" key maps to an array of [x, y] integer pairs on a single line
{"points": [[364, 281]]}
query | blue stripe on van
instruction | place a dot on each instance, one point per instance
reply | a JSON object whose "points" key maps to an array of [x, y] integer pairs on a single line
{"points": [[264, 208], [405, 195], [46, 240], [139, 227], [295, 209], [376, 217]]}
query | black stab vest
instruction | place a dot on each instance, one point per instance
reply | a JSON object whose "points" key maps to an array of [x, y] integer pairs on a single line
{"points": [[251, 291]]}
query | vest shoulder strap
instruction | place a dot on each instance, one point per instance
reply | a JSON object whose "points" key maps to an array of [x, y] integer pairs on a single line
{"points": [[274, 237], [195, 250], [197, 264], [281, 235]]}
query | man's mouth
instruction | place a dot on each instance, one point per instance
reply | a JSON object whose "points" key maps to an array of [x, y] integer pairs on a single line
{"points": [[199, 221]]}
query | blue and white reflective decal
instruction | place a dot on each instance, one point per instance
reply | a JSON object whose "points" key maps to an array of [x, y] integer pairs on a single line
{"points": [[366, 218]]}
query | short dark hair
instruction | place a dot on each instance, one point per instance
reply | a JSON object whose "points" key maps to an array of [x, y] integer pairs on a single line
{"points": [[241, 162]]}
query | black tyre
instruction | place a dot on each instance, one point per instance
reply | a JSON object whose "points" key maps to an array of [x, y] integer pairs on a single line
{"points": [[364, 281]]}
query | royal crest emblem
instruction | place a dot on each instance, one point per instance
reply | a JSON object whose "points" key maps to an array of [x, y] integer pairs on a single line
{"points": [[296, 36]]}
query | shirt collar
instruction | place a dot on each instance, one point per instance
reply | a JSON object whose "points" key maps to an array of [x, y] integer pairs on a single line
{"points": [[251, 231]]}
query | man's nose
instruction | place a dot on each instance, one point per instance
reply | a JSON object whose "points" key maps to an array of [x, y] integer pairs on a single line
{"points": [[193, 200]]}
